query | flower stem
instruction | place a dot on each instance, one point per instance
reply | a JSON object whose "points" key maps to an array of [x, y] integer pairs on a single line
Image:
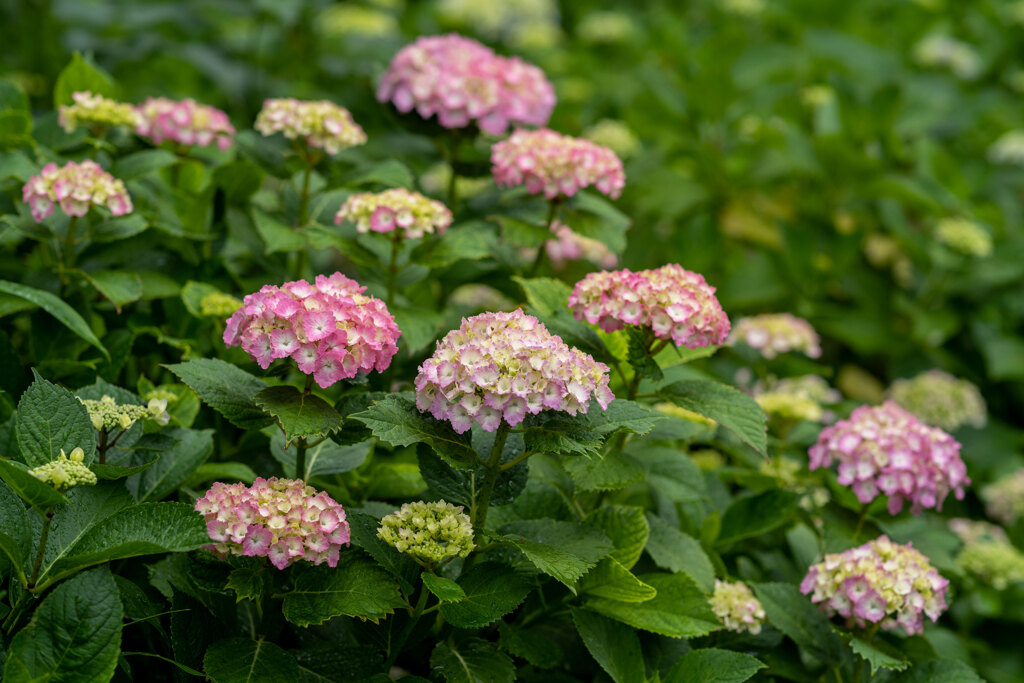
{"points": [[304, 195], [414, 617], [69, 243], [300, 459], [478, 517], [47, 520], [552, 213], [453, 153], [396, 245], [860, 521]]}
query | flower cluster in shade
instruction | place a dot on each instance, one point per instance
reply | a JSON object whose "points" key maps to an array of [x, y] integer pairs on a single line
{"points": [[96, 111], [106, 413], [502, 366], [880, 582], [219, 304], [462, 82], [556, 165], [329, 328], [987, 554], [736, 607], [66, 472], [771, 334], [940, 400], [75, 187], [674, 303], [185, 122], [797, 398], [1008, 149], [569, 245], [431, 532], [284, 520], [1004, 498], [942, 51], [321, 124], [885, 450], [964, 236], [403, 212]]}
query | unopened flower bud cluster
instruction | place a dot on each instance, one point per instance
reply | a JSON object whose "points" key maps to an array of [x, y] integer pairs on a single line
{"points": [[987, 554], [284, 520], [774, 333], [880, 582], [431, 532], [75, 187], [1004, 498], [96, 111], [797, 398], [964, 236], [406, 213], [940, 400], [674, 303], [556, 165], [736, 607], [885, 450], [219, 305], [106, 413], [569, 245], [321, 124], [185, 122], [501, 366], [66, 471]]}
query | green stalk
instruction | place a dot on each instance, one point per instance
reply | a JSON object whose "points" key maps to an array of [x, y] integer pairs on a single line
{"points": [[552, 213], [47, 521], [304, 196], [478, 517], [69, 243], [414, 617], [396, 245]]}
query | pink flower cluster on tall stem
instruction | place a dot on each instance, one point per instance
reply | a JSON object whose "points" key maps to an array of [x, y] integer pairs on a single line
{"points": [[501, 366], [75, 187], [461, 82], [880, 582], [185, 122], [673, 302], [556, 165], [885, 450], [283, 520], [321, 124], [329, 328]]}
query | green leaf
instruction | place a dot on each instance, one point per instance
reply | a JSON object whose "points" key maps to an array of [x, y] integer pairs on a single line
{"points": [[729, 407], [121, 228], [220, 471], [15, 532], [75, 635], [615, 470], [396, 421], [670, 472], [613, 645], [522, 233], [492, 591], [534, 646], [56, 307], [277, 236], [250, 583], [549, 301], [595, 217], [471, 661], [940, 671], [116, 286], [34, 492], [343, 664], [326, 457], [240, 660], [545, 295], [446, 590], [391, 173], [144, 162], [357, 587], [81, 75], [792, 613], [471, 242], [114, 472], [564, 550], [322, 237], [364, 535], [561, 434], [419, 326], [174, 465], [756, 515], [227, 389], [624, 416], [675, 551], [643, 364], [461, 486], [627, 528], [879, 655], [713, 666], [50, 419], [609, 579], [299, 415], [679, 610]]}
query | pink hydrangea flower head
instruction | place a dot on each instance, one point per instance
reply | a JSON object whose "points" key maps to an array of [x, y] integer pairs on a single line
{"points": [[880, 582], [283, 520], [673, 302], [502, 366], [322, 124], [736, 607], [569, 245], [75, 187], [329, 328], [773, 333], [185, 122], [97, 111], [886, 451], [462, 82], [409, 213], [556, 165]]}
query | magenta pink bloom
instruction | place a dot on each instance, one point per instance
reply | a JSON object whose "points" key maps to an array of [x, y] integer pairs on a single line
{"points": [[185, 122], [283, 520], [880, 582], [75, 187], [556, 165], [462, 82], [674, 303], [330, 329], [886, 451], [503, 366]]}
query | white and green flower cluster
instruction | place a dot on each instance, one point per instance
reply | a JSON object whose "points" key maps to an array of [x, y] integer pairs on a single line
{"points": [[107, 413], [987, 554], [941, 400], [797, 398], [736, 607], [66, 471], [964, 236], [96, 111], [1004, 499], [431, 532]]}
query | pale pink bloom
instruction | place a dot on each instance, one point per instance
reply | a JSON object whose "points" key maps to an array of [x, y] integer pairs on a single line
{"points": [[556, 165], [321, 124], [75, 187], [185, 122]]}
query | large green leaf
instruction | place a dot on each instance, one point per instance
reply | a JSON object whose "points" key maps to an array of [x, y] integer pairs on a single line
{"points": [[50, 420], [609, 579], [792, 613], [713, 666], [939, 671], [675, 551], [756, 515], [534, 646], [670, 471], [364, 535], [729, 407], [75, 635], [492, 591], [564, 550], [15, 532], [473, 241], [614, 646], [277, 236], [396, 421], [34, 492], [56, 307], [229, 390], [446, 590], [462, 486], [561, 434], [174, 465], [299, 415], [240, 660], [143, 162], [615, 470], [679, 610], [81, 75], [627, 528], [117, 286], [357, 587], [326, 457], [471, 661], [879, 655]]}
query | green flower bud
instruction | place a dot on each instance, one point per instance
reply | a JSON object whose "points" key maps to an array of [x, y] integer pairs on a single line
{"points": [[66, 471], [431, 532]]}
